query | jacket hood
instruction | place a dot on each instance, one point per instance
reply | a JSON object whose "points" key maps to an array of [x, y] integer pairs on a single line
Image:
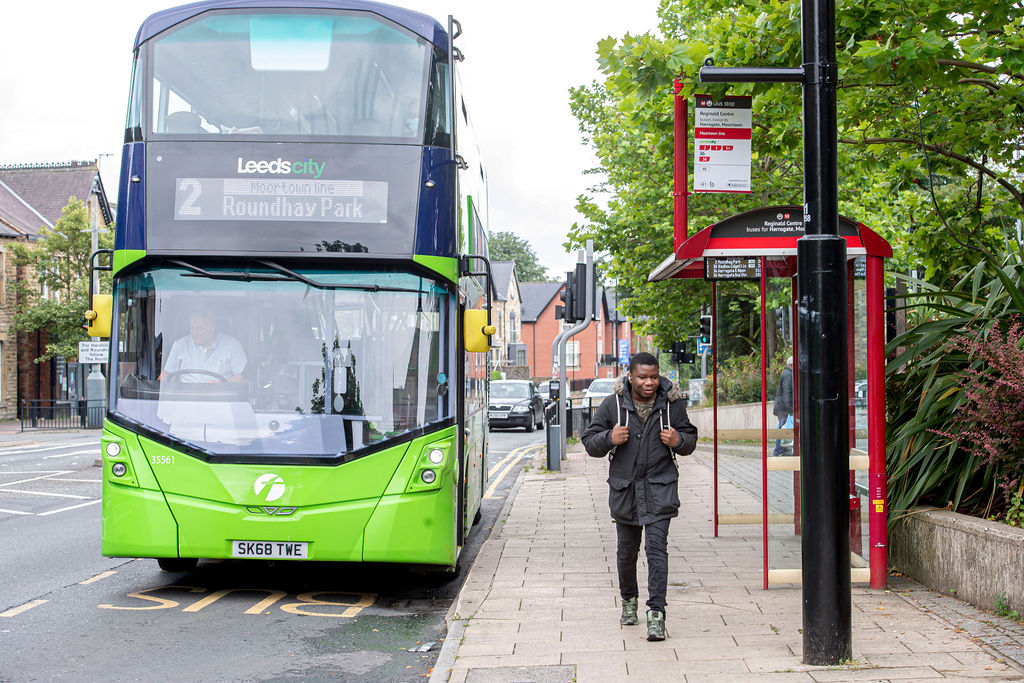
{"points": [[668, 387]]}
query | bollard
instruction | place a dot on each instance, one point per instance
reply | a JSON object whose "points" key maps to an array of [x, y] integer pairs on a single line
{"points": [[554, 445]]}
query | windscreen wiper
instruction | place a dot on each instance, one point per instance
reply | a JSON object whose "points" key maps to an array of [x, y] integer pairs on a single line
{"points": [[333, 285], [243, 276]]}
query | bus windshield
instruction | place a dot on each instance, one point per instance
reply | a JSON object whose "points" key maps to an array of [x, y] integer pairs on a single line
{"points": [[283, 74], [263, 363]]}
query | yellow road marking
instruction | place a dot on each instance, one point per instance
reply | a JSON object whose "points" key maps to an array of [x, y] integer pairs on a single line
{"points": [[94, 579], [517, 455], [513, 453], [15, 611]]}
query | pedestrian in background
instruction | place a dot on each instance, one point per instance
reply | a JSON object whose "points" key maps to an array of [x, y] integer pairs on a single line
{"points": [[783, 407], [642, 426]]}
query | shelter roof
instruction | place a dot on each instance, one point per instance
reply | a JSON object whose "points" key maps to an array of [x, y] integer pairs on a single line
{"points": [[771, 231], [536, 296]]}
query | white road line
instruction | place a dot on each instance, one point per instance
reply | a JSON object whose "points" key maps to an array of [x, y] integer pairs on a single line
{"points": [[94, 451], [44, 493], [94, 579], [70, 507], [45, 476], [33, 449], [15, 611], [14, 512], [87, 481]]}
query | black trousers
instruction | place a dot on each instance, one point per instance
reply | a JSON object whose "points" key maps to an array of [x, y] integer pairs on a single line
{"points": [[655, 537]]}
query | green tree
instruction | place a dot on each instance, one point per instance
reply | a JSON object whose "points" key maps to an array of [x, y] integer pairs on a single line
{"points": [[930, 119], [507, 246], [54, 296]]}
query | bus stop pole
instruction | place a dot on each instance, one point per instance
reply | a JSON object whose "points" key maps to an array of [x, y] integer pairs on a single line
{"points": [[824, 428], [823, 391]]}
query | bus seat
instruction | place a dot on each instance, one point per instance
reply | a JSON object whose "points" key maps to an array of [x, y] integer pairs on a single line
{"points": [[183, 122]]}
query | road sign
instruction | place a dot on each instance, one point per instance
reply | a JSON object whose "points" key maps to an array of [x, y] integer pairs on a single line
{"points": [[623, 351], [703, 348], [93, 351], [721, 144]]}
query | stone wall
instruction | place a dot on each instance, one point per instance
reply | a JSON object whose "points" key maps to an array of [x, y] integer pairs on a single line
{"points": [[972, 558]]}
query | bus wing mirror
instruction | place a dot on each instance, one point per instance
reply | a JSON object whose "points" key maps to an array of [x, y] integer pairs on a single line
{"points": [[477, 331], [99, 315]]}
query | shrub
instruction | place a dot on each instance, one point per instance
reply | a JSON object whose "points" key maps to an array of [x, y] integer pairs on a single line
{"points": [[990, 422]]}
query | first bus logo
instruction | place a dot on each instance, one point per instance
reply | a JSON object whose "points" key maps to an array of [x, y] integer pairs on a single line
{"points": [[269, 486]]}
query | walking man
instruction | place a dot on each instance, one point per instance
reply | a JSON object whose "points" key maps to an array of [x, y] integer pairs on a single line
{"points": [[783, 407], [641, 427]]}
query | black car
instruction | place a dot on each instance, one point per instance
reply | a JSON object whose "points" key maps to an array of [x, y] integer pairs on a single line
{"points": [[515, 403]]}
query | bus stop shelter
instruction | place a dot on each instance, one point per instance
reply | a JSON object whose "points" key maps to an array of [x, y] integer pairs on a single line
{"points": [[760, 246]]}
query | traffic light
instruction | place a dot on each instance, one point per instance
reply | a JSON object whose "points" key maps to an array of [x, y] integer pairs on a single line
{"points": [[580, 293], [705, 329], [679, 354], [568, 297]]}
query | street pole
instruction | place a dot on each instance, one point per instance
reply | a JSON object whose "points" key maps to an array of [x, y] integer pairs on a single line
{"points": [[95, 383], [821, 287], [824, 414], [588, 259]]}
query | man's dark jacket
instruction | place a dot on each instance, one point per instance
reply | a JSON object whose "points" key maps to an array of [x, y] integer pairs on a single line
{"points": [[784, 394], [643, 475]]}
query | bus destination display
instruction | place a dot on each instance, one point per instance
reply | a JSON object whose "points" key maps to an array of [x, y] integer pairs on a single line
{"points": [[263, 199], [732, 268]]}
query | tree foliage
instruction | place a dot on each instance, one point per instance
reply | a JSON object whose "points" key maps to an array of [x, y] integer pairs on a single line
{"points": [[53, 296], [507, 246], [930, 119]]}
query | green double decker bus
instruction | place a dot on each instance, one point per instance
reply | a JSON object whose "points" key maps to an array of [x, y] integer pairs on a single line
{"points": [[299, 318]]}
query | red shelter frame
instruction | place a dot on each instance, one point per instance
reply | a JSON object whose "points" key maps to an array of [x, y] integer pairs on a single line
{"points": [[770, 236]]}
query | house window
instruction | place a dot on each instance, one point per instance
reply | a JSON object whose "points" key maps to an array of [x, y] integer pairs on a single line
{"points": [[572, 354]]}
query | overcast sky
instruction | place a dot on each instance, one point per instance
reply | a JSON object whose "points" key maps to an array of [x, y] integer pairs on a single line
{"points": [[65, 66]]}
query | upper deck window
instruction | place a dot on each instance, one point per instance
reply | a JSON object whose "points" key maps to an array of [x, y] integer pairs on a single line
{"points": [[331, 74]]}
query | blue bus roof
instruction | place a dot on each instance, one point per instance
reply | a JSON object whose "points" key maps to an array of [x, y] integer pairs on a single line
{"points": [[420, 24]]}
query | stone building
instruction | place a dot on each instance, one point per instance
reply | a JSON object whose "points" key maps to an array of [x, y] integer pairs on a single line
{"points": [[32, 197], [507, 350]]}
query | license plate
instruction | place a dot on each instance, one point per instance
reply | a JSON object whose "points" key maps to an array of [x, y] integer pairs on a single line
{"points": [[274, 550], [497, 415]]}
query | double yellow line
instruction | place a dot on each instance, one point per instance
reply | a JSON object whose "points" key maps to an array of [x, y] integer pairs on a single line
{"points": [[506, 464]]}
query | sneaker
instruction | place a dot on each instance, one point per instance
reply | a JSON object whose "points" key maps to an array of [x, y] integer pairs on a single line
{"points": [[656, 625], [629, 617]]}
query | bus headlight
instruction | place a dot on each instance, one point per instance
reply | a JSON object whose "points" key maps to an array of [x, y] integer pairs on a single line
{"points": [[114, 450], [118, 469], [436, 456], [428, 476]]}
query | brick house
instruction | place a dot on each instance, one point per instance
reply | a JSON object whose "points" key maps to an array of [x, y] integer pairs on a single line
{"points": [[590, 354], [32, 197]]}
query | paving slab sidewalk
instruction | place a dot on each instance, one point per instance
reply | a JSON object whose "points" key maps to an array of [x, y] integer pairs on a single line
{"points": [[540, 602]]}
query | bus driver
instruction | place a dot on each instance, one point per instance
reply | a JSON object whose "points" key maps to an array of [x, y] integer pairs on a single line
{"points": [[216, 355]]}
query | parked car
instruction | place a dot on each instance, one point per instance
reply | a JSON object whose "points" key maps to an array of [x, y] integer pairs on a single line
{"points": [[860, 392], [544, 389], [597, 390], [515, 403]]}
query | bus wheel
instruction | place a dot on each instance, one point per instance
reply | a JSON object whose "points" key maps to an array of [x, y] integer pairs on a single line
{"points": [[177, 564]]}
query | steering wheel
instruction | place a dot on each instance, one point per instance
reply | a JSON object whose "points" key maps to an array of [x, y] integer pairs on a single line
{"points": [[175, 373]]}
